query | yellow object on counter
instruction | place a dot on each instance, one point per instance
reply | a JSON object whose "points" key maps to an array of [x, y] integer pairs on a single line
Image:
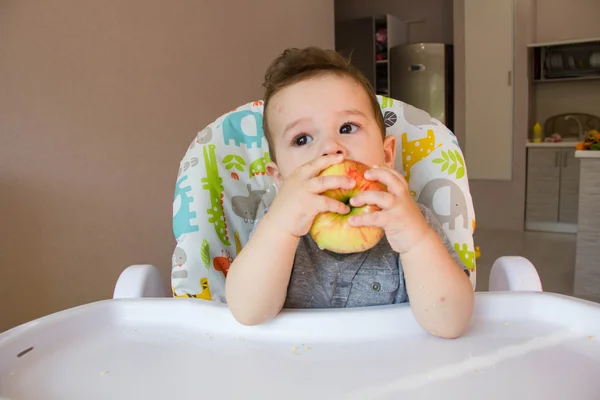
{"points": [[538, 135]]}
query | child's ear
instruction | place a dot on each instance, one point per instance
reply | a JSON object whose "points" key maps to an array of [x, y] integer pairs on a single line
{"points": [[389, 151], [273, 172]]}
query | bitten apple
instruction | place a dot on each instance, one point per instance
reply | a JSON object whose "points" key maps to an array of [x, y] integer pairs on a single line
{"points": [[331, 231]]}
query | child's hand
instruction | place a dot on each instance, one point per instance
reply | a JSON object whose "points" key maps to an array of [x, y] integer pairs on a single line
{"points": [[298, 201], [400, 216]]}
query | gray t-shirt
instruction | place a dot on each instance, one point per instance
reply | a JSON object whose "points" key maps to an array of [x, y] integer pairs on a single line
{"points": [[323, 279]]}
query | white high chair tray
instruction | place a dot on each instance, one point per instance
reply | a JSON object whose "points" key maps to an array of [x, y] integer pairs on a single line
{"points": [[521, 345]]}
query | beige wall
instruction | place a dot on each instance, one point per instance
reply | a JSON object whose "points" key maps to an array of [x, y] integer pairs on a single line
{"points": [[99, 101], [566, 97], [567, 19], [434, 16]]}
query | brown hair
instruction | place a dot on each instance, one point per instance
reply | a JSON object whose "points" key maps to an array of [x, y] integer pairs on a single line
{"points": [[296, 65]]}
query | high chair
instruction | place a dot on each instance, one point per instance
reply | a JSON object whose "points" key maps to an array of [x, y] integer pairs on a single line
{"points": [[543, 343], [222, 188]]}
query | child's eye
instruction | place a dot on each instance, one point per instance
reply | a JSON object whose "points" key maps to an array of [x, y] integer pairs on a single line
{"points": [[349, 127], [301, 140]]}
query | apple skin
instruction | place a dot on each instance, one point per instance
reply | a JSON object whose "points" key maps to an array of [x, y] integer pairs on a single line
{"points": [[331, 231]]}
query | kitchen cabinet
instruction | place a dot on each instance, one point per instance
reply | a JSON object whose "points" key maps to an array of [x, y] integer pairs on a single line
{"points": [[356, 40], [569, 187], [565, 61], [552, 189], [543, 185], [489, 62]]}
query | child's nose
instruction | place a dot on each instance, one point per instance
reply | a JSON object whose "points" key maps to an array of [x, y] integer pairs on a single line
{"points": [[333, 147]]}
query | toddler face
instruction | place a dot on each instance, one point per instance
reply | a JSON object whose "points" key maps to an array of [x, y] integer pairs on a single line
{"points": [[325, 115]]}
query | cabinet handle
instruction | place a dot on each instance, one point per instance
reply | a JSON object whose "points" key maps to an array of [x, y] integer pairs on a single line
{"points": [[509, 78], [556, 159], [564, 160]]}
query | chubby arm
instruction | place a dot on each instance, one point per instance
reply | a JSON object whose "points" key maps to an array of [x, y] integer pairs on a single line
{"points": [[440, 292], [257, 281]]}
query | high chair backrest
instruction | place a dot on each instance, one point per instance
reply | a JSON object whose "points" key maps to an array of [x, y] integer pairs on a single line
{"points": [[222, 187]]}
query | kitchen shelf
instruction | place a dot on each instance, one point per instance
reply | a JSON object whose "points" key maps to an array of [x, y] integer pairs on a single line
{"points": [[564, 144], [565, 61], [357, 37], [564, 42], [578, 78]]}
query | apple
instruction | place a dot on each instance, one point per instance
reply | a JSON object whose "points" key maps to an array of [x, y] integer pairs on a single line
{"points": [[331, 231]]}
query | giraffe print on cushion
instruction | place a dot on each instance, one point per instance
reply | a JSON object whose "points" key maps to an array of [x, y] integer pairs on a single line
{"points": [[416, 150]]}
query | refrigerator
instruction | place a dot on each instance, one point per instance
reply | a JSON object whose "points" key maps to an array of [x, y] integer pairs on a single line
{"points": [[422, 75]]}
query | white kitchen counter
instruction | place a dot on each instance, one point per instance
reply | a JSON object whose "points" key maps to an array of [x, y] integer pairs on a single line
{"points": [[568, 143], [523, 345], [587, 154]]}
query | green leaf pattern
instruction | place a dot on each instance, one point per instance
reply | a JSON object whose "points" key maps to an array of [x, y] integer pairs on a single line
{"points": [[234, 161], [204, 252], [452, 162], [452, 156]]}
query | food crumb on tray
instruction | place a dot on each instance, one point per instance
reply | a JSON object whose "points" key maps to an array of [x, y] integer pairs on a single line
{"points": [[297, 350], [102, 373]]}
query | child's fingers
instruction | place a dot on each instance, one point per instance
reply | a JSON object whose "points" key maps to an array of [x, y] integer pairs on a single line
{"points": [[379, 173], [383, 200], [398, 174], [314, 167], [320, 184], [396, 184], [325, 204], [376, 218]]}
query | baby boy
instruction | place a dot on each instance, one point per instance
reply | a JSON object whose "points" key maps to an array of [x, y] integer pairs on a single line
{"points": [[319, 111]]}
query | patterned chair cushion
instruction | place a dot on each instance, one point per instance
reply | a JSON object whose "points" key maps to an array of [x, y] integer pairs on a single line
{"points": [[222, 187]]}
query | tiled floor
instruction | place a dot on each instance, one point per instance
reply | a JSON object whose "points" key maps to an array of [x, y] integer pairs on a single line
{"points": [[552, 254]]}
